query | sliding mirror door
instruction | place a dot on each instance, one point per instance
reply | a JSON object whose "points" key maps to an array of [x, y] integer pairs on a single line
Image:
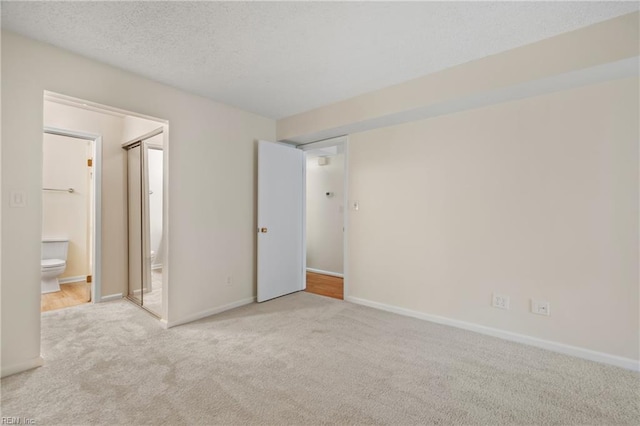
{"points": [[136, 222], [145, 210], [152, 299]]}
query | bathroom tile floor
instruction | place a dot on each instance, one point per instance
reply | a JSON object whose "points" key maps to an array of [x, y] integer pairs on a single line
{"points": [[69, 295]]}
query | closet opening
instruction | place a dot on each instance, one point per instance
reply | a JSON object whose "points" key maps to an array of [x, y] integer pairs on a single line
{"points": [[144, 157]]}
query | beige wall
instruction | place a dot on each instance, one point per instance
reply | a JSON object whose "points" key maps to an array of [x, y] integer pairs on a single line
{"points": [[211, 223], [515, 174], [532, 199], [114, 208], [136, 126], [325, 214]]}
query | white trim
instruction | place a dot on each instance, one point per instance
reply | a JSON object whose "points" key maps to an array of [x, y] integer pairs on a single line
{"points": [[323, 272], [73, 280], [588, 354], [345, 221], [326, 143], [303, 247], [208, 312], [94, 106], [144, 137], [165, 221], [96, 283], [111, 297], [22, 366]]}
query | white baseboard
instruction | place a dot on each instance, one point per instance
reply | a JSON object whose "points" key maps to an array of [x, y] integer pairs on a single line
{"points": [[618, 361], [320, 271], [111, 297], [73, 280], [22, 366], [208, 312]]}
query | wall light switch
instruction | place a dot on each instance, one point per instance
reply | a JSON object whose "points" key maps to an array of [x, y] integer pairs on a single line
{"points": [[18, 199]]}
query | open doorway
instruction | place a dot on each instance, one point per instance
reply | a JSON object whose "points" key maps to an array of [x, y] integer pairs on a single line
{"points": [[68, 217], [79, 132], [325, 212]]}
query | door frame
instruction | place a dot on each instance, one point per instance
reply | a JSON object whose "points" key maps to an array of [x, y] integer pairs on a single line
{"points": [[96, 217], [324, 143]]}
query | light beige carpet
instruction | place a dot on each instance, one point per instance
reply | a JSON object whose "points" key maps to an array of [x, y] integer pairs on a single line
{"points": [[303, 359]]}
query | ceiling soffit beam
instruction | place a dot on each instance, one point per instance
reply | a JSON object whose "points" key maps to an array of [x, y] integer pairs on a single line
{"points": [[626, 68], [604, 51]]}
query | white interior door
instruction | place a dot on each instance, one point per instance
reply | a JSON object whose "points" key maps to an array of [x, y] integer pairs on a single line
{"points": [[280, 220]]}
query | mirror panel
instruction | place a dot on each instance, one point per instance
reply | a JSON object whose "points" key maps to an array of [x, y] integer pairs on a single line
{"points": [[135, 222]]}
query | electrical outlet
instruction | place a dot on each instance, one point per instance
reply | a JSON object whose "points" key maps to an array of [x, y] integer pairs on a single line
{"points": [[500, 301], [229, 280], [18, 199], [540, 307]]}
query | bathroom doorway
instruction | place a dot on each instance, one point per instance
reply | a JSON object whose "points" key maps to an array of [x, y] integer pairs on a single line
{"points": [[69, 187], [325, 164]]}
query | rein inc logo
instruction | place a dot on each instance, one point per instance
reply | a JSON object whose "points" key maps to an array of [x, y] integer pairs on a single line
{"points": [[17, 421]]}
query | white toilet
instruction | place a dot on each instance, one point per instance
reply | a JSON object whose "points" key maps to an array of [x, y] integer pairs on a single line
{"points": [[53, 263]]}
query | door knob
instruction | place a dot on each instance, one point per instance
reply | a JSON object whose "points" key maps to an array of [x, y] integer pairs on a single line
{"points": [[263, 230]]}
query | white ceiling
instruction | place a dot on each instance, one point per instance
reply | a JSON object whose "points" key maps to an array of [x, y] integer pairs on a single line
{"points": [[279, 59]]}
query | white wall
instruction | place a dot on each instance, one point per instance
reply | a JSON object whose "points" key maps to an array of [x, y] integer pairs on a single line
{"points": [[114, 207], [532, 199], [212, 222], [325, 214], [64, 214]]}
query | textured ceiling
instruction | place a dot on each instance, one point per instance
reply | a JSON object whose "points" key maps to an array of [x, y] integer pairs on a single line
{"points": [[279, 59]]}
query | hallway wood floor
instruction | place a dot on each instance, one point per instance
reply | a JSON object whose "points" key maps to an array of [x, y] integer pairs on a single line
{"points": [[325, 285], [69, 295]]}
